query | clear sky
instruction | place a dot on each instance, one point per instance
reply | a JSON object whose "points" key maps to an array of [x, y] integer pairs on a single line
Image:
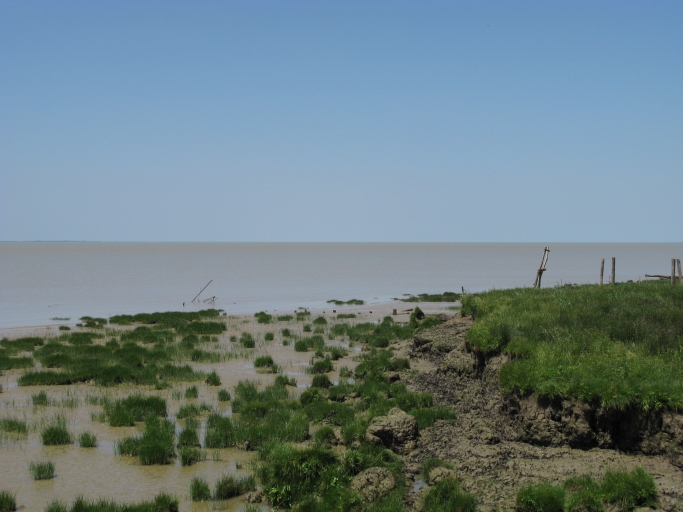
{"points": [[341, 121]]}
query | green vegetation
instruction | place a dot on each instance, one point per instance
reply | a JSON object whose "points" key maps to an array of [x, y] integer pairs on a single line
{"points": [[212, 379], [307, 328], [430, 464], [8, 502], [432, 297], [447, 496], [39, 399], [286, 333], [285, 318], [223, 395], [125, 412], [374, 335], [352, 302], [302, 315], [13, 425], [263, 318], [94, 323], [79, 360], [263, 361], [192, 410], [247, 340], [322, 366], [622, 490], [190, 455], [321, 381], [161, 503], [230, 486], [199, 490], [42, 470], [189, 435], [269, 336], [87, 440], [342, 316], [156, 444], [621, 345], [192, 392], [56, 433], [320, 321], [64, 328]]}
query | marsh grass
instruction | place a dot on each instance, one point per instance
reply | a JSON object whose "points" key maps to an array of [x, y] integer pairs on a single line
{"points": [[623, 490], [432, 297], [14, 425], [247, 340], [229, 486], [156, 444], [190, 455], [87, 440], [286, 333], [125, 412], [8, 502], [44, 470], [212, 379], [223, 395], [344, 316], [321, 381], [161, 503], [285, 318], [269, 336], [192, 392], [263, 318], [263, 361], [427, 416], [322, 366], [39, 399], [320, 321], [430, 464], [199, 489], [447, 496], [352, 302], [621, 345], [56, 432], [188, 437], [192, 410]]}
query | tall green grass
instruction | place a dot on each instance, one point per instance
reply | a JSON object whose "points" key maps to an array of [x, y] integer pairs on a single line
{"points": [[56, 432], [199, 490], [8, 502], [623, 490], [44, 470], [13, 425], [156, 445], [161, 503], [229, 486], [621, 345], [87, 440], [125, 412], [447, 496]]}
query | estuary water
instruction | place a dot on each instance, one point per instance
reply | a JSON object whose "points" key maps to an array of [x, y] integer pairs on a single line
{"points": [[40, 281]]}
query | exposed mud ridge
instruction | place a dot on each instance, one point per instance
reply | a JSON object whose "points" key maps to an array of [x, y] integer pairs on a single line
{"points": [[500, 442]]}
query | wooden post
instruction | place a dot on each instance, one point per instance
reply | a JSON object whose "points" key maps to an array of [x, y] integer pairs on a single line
{"points": [[602, 270], [680, 276], [673, 271], [541, 268], [614, 267]]}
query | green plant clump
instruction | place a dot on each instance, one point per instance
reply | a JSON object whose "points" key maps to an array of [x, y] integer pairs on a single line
{"points": [[56, 433], [87, 440], [8, 502], [125, 412], [223, 395], [263, 361], [199, 490], [192, 392], [263, 318], [156, 444], [161, 503], [212, 379], [620, 345], [447, 496], [42, 470], [13, 425], [230, 486], [247, 340], [269, 336]]}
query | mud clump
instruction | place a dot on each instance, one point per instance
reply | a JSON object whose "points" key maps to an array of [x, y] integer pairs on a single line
{"points": [[373, 483], [396, 431]]}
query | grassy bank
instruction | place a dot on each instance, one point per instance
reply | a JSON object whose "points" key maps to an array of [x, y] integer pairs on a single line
{"points": [[617, 345]]}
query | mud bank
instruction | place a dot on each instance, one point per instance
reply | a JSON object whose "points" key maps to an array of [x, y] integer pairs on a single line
{"points": [[500, 442]]}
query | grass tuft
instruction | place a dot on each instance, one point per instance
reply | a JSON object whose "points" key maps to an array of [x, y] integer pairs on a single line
{"points": [[42, 470], [447, 496], [199, 490], [13, 425], [230, 486], [8, 502], [213, 379], [223, 395], [56, 433], [87, 440]]}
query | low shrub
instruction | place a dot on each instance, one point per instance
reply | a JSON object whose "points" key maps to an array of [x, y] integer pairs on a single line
{"points": [[269, 336], [321, 381]]}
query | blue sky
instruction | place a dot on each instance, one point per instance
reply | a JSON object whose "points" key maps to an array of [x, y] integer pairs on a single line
{"points": [[341, 121]]}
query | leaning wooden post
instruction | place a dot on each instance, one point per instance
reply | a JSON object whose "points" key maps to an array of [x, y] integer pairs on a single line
{"points": [[602, 270], [680, 276], [541, 269], [614, 268], [673, 271]]}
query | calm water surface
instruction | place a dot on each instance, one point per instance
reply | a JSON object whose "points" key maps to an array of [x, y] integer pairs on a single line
{"points": [[40, 281]]}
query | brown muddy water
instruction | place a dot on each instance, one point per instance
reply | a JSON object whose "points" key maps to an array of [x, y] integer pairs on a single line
{"points": [[99, 472]]}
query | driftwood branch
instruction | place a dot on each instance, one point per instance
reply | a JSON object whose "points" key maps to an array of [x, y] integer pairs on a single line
{"points": [[200, 291]]}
